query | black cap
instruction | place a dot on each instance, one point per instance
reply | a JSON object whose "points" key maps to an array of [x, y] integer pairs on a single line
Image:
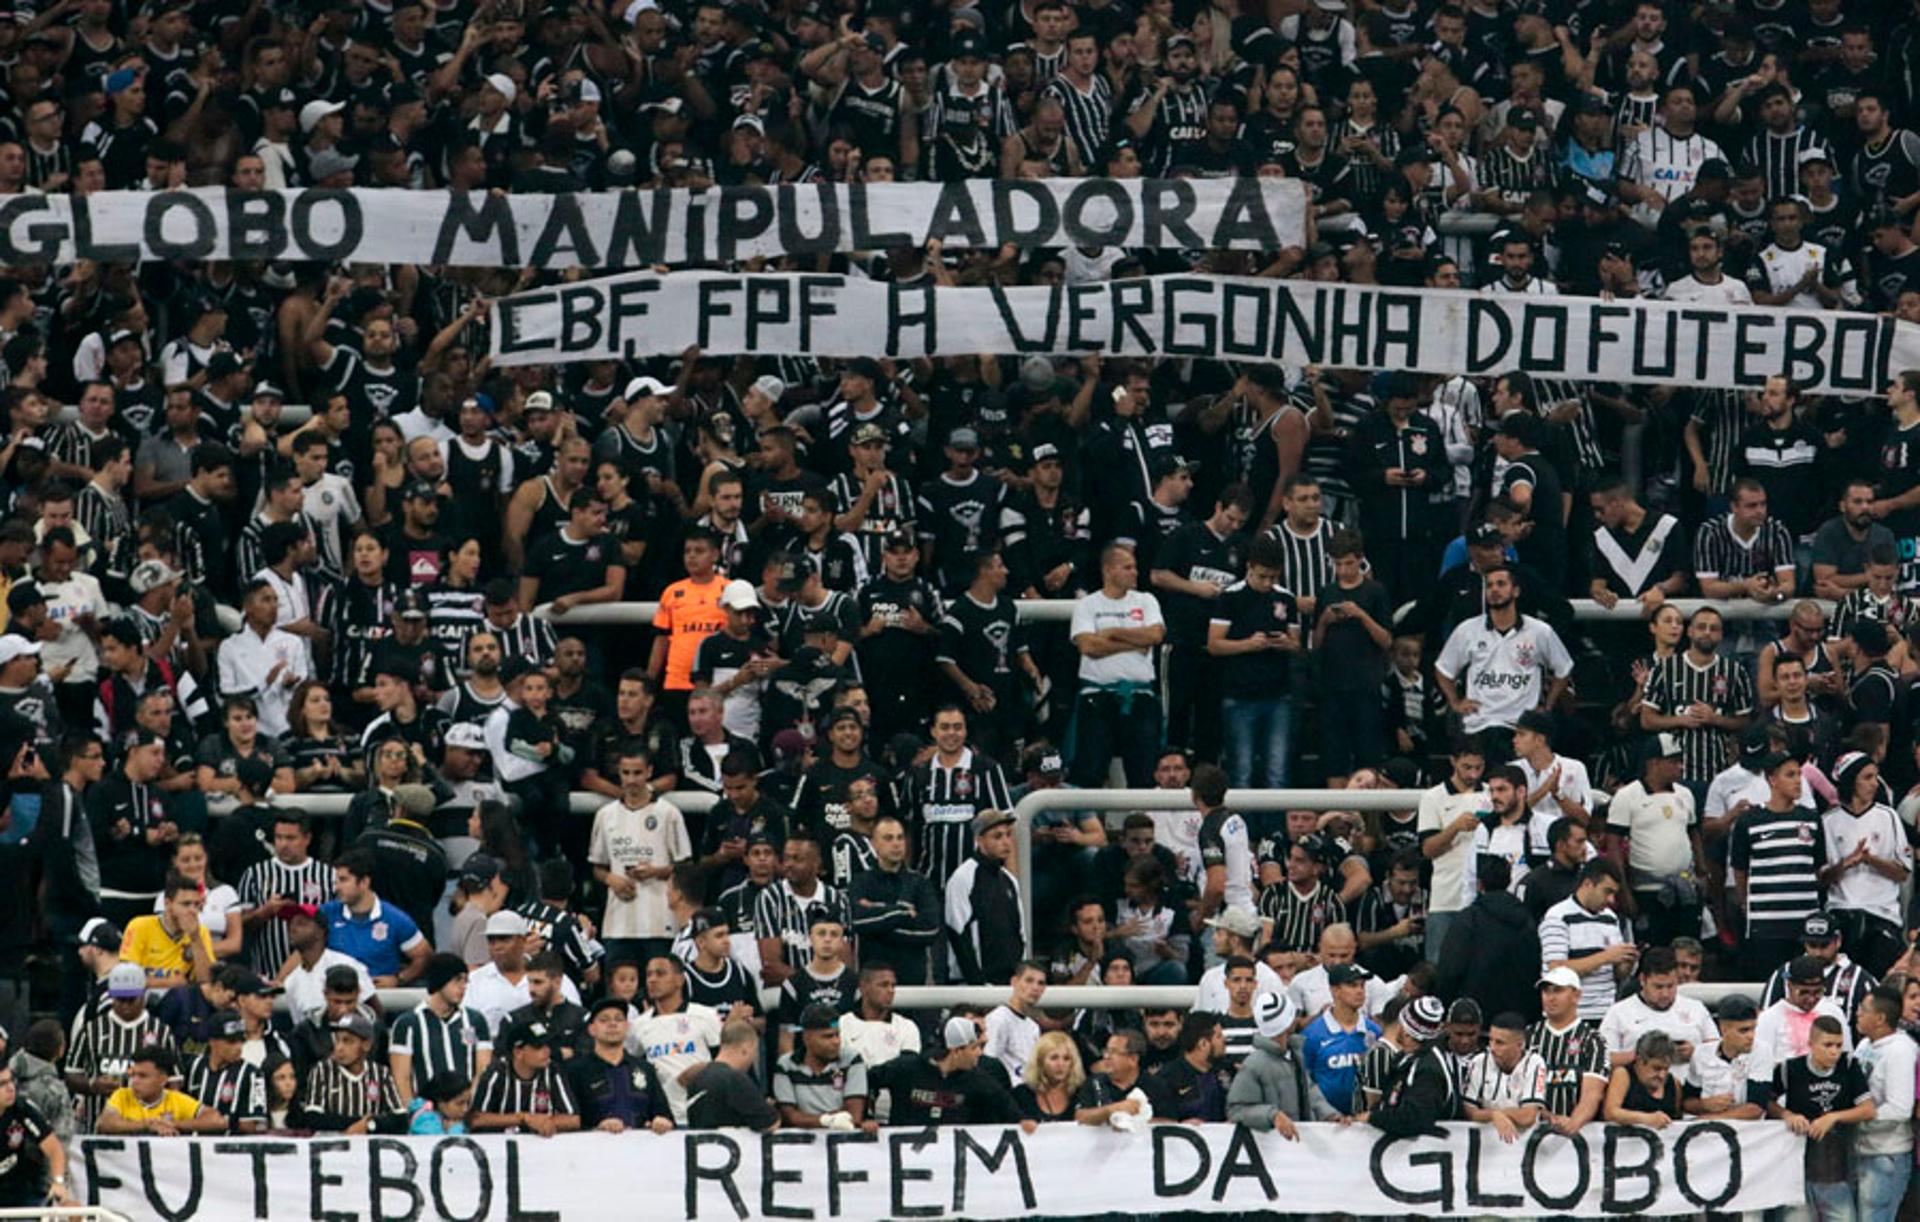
{"points": [[420, 490], [704, 920], [227, 1025], [794, 569], [1165, 465], [527, 1034], [607, 1003], [1806, 969], [254, 773], [23, 595], [410, 604], [1818, 930], [1486, 535], [1523, 117], [901, 539]]}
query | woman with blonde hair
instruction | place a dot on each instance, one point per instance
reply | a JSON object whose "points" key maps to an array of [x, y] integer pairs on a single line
{"points": [[1053, 1077]]}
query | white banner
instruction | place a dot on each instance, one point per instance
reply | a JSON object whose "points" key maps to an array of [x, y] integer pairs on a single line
{"points": [[1062, 1170], [614, 229], [1295, 322]]}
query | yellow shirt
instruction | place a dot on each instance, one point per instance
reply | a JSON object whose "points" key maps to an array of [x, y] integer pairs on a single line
{"points": [[173, 1105], [149, 944]]}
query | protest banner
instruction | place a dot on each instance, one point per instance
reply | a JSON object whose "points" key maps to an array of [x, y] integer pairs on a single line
{"points": [[1057, 1171], [1212, 317], [641, 228]]}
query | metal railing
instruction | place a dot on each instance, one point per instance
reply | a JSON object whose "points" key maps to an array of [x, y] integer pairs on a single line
{"points": [[1060, 610], [77, 1213], [579, 802]]}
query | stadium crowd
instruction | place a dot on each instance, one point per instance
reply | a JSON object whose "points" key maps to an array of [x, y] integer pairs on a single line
{"points": [[217, 611]]}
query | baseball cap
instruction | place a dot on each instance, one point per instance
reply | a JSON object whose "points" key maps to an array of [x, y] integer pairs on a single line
{"points": [[1665, 746], [1735, 1008], [644, 388], [227, 1025], [867, 434], [1273, 1015], [355, 1022], [607, 1003], [1560, 978], [900, 539], [127, 980], [1237, 921], [1348, 973], [963, 438], [1422, 1018], [1486, 535], [793, 573], [503, 84], [1818, 927], [411, 604], [1806, 969], [421, 490], [1181, 40], [1817, 153], [466, 736], [739, 595], [101, 934], [478, 871], [293, 912], [250, 984], [316, 110], [821, 1017], [1169, 464], [704, 921], [13, 646], [24, 594], [987, 820], [770, 386], [1046, 451], [538, 401], [150, 575], [527, 1034], [959, 1032], [225, 363], [328, 162], [506, 924], [1523, 117]]}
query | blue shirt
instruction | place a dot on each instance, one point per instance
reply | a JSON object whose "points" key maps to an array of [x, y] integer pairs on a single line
{"points": [[379, 939], [1456, 555], [1332, 1057]]}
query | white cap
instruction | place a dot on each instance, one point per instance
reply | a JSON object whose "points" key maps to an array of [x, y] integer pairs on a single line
{"points": [[644, 388], [739, 596], [773, 388], [589, 92], [503, 83], [506, 924], [538, 401], [959, 1032], [1560, 977], [316, 110], [1273, 1015], [466, 736], [632, 12], [13, 645]]}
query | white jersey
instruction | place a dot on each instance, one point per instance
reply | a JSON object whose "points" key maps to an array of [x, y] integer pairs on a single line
{"points": [[1096, 612], [674, 1043], [1711, 1072], [1685, 1021], [1178, 831], [1863, 888], [1503, 671], [653, 835], [1724, 291], [1572, 785], [1439, 806], [1667, 163], [331, 505], [1484, 1084], [1779, 269]]}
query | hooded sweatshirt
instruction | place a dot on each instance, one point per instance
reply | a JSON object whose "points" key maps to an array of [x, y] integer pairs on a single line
{"points": [[1273, 1080]]}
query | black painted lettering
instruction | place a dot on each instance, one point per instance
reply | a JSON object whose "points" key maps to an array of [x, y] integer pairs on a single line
{"points": [[319, 1179], [583, 311], [1173, 322], [694, 231], [1749, 352], [150, 1185], [1016, 334], [745, 214], [955, 215], [818, 299], [1704, 321], [1132, 300], [204, 227], [1396, 330], [1245, 309], [1300, 339], [1806, 344], [711, 307], [1010, 1147], [1045, 231], [627, 299], [256, 224], [1166, 1135], [1881, 372], [1242, 1161], [1615, 1172], [1475, 1198], [1083, 301], [1543, 338], [1856, 343], [1245, 223], [769, 304], [1352, 330], [924, 317], [1600, 333], [836, 1176], [506, 323], [825, 239], [380, 1181], [772, 1176], [696, 1171], [481, 217], [1165, 208], [439, 1175], [1086, 195], [301, 222], [516, 1212], [1666, 325], [257, 1153], [865, 236], [900, 1175], [565, 233], [11, 210], [99, 1180], [1489, 335], [1684, 1170], [641, 221], [1530, 1164], [84, 246], [1441, 1194]]}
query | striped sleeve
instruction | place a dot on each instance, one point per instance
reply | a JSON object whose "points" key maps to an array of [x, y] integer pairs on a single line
{"points": [[1709, 554], [1554, 942]]}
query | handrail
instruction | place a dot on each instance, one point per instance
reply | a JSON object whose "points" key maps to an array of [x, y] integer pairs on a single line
{"points": [[579, 802]]}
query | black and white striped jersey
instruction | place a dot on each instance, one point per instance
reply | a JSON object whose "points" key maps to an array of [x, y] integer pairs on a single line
{"points": [[1305, 566], [1723, 684], [941, 802], [1781, 853], [104, 1048], [1777, 156], [1572, 1055], [235, 1090], [1089, 113], [1570, 932], [337, 1095], [779, 913], [1722, 555], [310, 882], [1299, 919], [440, 1045], [501, 1090]]}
